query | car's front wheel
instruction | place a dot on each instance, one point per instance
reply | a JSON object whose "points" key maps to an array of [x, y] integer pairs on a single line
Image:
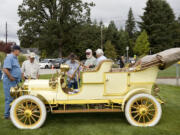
{"points": [[143, 110], [28, 112]]}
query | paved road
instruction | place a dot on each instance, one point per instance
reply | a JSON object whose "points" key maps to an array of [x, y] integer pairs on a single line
{"points": [[167, 81], [48, 71], [159, 81]]}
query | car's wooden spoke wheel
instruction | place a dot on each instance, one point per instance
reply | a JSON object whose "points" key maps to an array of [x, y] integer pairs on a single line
{"points": [[143, 110], [28, 112]]}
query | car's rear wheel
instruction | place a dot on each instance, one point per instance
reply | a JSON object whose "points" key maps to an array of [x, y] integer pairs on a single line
{"points": [[143, 110], [28, 112], [46, 67]]}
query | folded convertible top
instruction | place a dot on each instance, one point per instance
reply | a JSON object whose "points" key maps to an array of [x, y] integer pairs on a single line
{"points": [[163, 59]]}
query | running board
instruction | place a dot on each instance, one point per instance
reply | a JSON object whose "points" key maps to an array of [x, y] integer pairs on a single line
{"points": [[86, 110]]}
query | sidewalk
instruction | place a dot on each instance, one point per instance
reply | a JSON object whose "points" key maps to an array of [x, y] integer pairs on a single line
{"points": [[167, 81]]}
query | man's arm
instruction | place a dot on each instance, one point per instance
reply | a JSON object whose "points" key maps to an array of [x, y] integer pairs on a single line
{"points": [[8, 66], [6, 71], [23, 76]]}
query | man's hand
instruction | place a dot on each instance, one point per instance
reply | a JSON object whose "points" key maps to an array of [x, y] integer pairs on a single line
{"points": [[12, 78]]}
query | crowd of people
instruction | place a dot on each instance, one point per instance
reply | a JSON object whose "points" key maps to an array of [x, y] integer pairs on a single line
{"points": [[13, 73]]}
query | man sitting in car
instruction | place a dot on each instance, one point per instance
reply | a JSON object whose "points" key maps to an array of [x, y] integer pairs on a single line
{"points": [[91, 60], [100, 56]]}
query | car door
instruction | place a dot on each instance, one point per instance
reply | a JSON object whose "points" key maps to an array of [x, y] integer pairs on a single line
{"points": [[116, 83]]}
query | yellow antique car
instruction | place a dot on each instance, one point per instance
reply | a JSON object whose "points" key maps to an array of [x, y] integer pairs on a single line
{"points": [[102, 89]]}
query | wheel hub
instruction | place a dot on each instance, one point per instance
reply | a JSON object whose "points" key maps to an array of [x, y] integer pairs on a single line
{"points": [[143, 110], [28, 113]]}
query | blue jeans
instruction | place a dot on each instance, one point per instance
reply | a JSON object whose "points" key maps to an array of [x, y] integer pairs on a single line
{"points": [[73, 85], [7, 84], [0, 74]]}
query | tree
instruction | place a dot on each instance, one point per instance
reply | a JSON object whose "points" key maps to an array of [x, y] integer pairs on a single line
{"points": [[122, 42], [47, 24], [111, 33], [158, 20], [176, 33], [141, 47], [110, 51], [86, 36], [130, 24]]}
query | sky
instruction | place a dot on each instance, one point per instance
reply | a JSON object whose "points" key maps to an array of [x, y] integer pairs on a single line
{"points": [[105, 10]]}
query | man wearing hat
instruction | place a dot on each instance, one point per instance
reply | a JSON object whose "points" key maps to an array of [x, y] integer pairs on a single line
{"points": [[12, 76], [30, 68], [91, 60]]}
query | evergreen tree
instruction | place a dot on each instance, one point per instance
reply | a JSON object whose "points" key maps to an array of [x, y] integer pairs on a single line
{"points": [[158, 20], [122, 43], [176, 33], [110, 50], [130, 24], [141, 47], [111, 33]]}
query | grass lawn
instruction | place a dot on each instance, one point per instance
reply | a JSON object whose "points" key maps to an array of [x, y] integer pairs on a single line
{"points": [[102, 123], [169, 72]]}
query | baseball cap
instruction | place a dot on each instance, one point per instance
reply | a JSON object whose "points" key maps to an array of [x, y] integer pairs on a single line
{"points": [[32, 55], [16, 47]]}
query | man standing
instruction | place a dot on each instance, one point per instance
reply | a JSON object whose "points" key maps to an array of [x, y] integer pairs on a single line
{"points": [[100, 56], [73, 72], [12, 76], [30, 68], [91, 61]]}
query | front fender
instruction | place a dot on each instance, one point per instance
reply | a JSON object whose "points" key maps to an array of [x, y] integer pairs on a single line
{"points": [[132, 93]]}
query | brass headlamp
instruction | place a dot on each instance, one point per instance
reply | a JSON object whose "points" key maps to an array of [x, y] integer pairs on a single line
{"points": [[14, 91]]}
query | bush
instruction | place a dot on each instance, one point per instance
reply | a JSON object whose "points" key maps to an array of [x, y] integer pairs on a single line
{"points": [[21, 59], [2, 57]]}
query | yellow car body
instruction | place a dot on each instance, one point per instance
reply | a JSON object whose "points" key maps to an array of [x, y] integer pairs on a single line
{"points": [[99, 87]]}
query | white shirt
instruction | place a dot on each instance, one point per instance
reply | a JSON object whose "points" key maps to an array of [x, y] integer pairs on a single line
{"points": [[101, 58], [30, 69], [90, 61]]}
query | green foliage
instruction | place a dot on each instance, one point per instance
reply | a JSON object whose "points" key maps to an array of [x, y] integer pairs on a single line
{"points": [[43, 54], [176, 33], [85, 36], [141, 47], [2, 57], [110, 51], [158, 20], [59, 27], [123, 41], [48, 24], [21, 59], [130, 24], [111, 33]]}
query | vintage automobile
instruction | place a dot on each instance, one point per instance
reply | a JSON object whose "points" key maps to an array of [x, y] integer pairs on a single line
{"points": [[102, 89]]}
